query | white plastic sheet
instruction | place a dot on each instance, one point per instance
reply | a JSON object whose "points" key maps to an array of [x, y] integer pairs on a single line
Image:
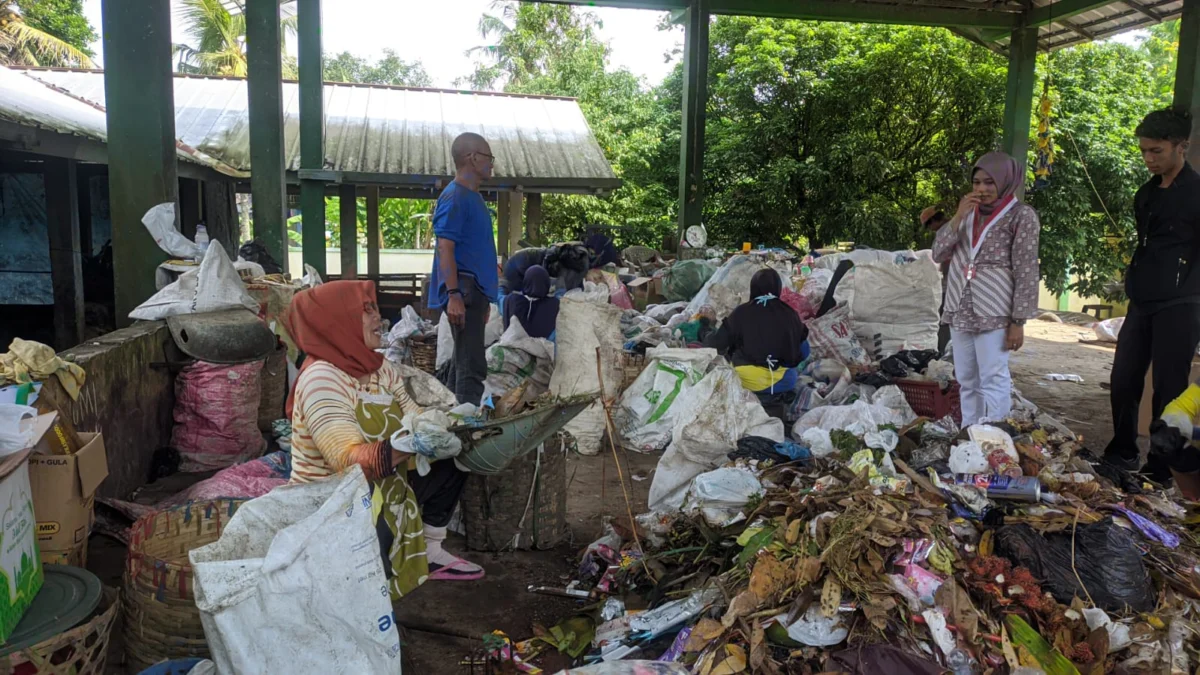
{"points": [[1109, 329], [720, 494], [16, 427], [583, 328], [160, 222], [712, 417], [212, 287], [650, 405], [297, 578], [728, 287]]}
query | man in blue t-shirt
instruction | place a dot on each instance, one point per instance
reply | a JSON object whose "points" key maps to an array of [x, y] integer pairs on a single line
{"points": [[465, 280]]}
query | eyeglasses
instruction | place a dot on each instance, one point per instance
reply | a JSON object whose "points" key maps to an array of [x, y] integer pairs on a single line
{"points": [[484, 154]]}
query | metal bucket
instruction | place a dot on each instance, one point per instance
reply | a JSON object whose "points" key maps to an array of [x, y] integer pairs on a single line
{"points": [[491, 446]]}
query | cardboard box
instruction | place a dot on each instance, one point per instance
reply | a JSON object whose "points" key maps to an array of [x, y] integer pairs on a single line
{"points": [[64, 488], [20, 564], [645, 291], [76, 556]]}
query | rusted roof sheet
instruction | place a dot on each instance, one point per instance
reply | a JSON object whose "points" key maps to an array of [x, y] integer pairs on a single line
{"points": [[32, 102], [1105, 21], [393, 135]]}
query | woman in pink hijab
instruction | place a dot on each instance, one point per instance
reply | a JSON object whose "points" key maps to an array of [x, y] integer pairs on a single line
{"points": [[991, 246]]}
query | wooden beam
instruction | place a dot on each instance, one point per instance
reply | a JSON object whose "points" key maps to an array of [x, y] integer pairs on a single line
{"points": [[264, 61], [533, 218], [1187, 70], [695, 101], [190, 208], [1057, 12], [1018, 102], [374, 239], [516, 209], [349, 241], [221, 215], [1144, 11], [312, 132], [502, 223], [66, 263]]}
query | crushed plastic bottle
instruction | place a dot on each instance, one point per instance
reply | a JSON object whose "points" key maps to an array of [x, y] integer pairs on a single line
{"points": [[960, 662]]}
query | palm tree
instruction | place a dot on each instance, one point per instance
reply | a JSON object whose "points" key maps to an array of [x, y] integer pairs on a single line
{"points": [[24, 45], [220, 40]]}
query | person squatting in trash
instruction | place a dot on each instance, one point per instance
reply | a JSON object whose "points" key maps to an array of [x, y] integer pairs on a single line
{"points": [[765, 340], [1163, 321], [347, 402], [565, 263], [533, 306], [1175, 441], [991, 245], [464, 281]]}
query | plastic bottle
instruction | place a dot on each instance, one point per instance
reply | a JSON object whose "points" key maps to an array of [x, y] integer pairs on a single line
{"points": [[960, 662], [202, 236]]}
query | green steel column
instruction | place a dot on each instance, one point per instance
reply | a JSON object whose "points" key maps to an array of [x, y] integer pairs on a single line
{"points": [[140, 102], [1187, 70], [695, 98], [312, 132], [264, 64], [1018, 102]]}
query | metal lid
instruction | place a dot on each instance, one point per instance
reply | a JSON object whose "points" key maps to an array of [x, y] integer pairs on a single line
{"points": [[67, 597], [228, 337]]}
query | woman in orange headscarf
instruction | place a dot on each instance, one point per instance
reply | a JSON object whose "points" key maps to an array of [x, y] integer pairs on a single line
{"points": [[347, 403]]}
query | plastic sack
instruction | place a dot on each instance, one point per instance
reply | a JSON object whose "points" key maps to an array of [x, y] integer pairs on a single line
{"points": [[650, 405], [1109, 329], [1106, 558], [857, 418], [582, 328], [427, 436], [244, 481], [160, 222], [216, 415], [728, 287], [516, 359], [720, 494], [832, 337], [617, 293], [596, 294], [296, 577], [818, 441], [799, 304], [212, 287], [684, 279], [815, 285], [492, 331], [663, 313], [712, 417], [894, 302], [15, 433]]}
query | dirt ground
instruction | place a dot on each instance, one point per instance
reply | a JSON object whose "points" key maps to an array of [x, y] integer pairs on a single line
{"points": [[444, 620]]}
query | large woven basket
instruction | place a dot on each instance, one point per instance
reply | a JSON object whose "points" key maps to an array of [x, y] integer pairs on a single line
{"points": [[424, 353], [161, 619], [273, 385], [632, 365], [523, 507], [79, 651]]}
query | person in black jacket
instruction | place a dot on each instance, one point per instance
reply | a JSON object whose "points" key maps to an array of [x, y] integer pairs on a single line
{"points": [[1163, 322]]}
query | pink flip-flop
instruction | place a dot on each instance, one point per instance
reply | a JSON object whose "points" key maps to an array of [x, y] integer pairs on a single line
{"points": [[446, 573]]}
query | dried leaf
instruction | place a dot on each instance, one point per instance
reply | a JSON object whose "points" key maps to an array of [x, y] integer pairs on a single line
{"points": [[875, 560], [745, 603], [956, 603], [877, 609], [793, 532], [808, 570], [703, 635], [731, 662], [769, 578], [831, 597], [1010, 654], [758, 647]]}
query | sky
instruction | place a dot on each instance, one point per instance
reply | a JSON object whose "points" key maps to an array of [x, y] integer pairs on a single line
{"points": [[438, 33]]}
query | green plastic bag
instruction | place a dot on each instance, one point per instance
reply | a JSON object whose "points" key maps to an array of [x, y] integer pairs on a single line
{"points": [[685, 279]]}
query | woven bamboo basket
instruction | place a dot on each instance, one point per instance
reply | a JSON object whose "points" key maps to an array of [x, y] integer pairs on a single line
{"points": [[424, 353], [632, 365], [523, 507], [273, 386], [161, 619], [79, 651]]}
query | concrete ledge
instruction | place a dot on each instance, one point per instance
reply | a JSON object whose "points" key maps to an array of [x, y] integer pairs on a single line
{"points": [[126, 399]]}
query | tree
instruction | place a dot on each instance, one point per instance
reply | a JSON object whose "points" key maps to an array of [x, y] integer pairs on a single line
{"points": [[62, 19], [554, 50], [23, 43], [220, 41], [391, 69], [403, 223]]}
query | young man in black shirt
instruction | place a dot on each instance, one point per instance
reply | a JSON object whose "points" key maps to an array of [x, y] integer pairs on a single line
{"points": [[1163, 323]]}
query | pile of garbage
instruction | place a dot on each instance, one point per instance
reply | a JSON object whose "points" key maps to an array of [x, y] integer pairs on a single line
{"points": [[862, 534]]}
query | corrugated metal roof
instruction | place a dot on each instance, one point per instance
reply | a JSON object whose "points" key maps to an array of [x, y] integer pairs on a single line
{"points": [[28, 101], [539, 142], [1103, 22]]}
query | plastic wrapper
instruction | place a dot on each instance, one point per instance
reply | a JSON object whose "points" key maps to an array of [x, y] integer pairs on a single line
{"points": [[663, 618], [1106, 559], [816, 630]]}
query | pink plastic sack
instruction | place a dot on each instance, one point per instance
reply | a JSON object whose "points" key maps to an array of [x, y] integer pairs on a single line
{"points": [[216, 415], [617, 293], [799, 303]]}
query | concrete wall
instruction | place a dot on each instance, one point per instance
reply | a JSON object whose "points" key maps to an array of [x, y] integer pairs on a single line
{"points": [[391, 261], [1075, 302], [126, 399]]}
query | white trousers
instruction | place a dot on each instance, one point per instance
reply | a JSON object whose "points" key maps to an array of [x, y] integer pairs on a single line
{"points": [[981, 367]]}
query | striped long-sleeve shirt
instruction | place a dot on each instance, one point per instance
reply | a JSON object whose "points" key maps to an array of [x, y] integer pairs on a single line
{"points": [[338, 421], [1007, 273]]}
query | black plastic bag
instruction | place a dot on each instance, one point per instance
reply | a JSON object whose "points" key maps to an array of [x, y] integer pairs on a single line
{"points": [[1109, 564], [254, 251]]}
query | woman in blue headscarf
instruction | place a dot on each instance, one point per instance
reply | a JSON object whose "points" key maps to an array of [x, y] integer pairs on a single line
{"points": [[531, 306]]}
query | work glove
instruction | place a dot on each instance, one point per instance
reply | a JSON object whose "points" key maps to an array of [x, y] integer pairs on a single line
{"points": [[1170, 446], [1181, 422]]}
